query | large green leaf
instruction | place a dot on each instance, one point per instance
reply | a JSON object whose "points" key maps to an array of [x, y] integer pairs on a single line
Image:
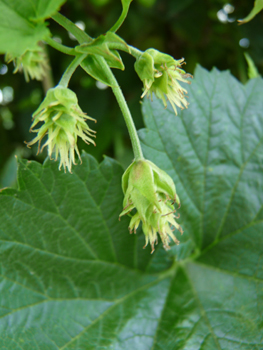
{"points": [[34, 10], [68, 265], [214, 152], [19, 27], [71, 277]]}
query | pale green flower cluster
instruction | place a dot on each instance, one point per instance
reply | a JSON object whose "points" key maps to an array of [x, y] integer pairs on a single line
{"points": [[152, 193], [33, 63], [161, 74], [149, 193], [63, 122]]}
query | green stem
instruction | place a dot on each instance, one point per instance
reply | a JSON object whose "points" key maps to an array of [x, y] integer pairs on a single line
{"points": [[127, 48], [70, 70], [48, 81], [79, 34], [83, 37], [135, 52], [62, 48], [125, 9], [136, 146]]}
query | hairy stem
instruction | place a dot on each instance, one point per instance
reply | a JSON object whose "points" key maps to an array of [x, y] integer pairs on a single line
{"points": [[79, 34], [62, 48], [134, 52], [136, 146], [127, 48], [70, 70]]}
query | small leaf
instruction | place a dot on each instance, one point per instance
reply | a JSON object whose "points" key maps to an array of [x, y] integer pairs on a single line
{"points": [[258, 6], [100, 46], [252, 69], [92, 66]]}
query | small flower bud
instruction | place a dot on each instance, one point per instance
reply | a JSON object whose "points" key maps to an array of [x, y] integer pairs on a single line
{"points": [[161, 73], [63, 122], [152, 193], [32, 62]]}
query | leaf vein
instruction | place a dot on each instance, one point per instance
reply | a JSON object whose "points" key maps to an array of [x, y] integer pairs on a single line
{"points": [[221, 226], [173, 166]]}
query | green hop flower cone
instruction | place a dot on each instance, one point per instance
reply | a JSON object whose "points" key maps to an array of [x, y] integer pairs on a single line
{"points": [[63, 122], [33, 63], [161, 74], [152, 193]]}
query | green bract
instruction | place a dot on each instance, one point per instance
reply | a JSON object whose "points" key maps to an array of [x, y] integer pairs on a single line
{"points": [[33, 63], [101, 46], [63, 121], [152, 193], [160, 74]]}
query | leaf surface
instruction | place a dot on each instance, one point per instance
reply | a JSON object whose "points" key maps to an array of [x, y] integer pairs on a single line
{"points": [[214, 153], [21, 23], [72, 277], [91, 65]]}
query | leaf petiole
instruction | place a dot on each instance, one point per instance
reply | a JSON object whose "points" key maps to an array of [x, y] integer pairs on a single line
{"points": [[62, 48], [80, 35], [126, 48]]}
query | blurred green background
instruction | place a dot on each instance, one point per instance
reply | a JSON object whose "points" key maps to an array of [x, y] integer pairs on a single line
{"points": [[201, 31]]}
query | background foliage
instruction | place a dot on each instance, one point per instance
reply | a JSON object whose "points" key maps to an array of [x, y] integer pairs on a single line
{"points": [[189, 29]]}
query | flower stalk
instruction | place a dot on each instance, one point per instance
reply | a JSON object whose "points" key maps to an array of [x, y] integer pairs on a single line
{"points": [[64, 81], [136, 146]]}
